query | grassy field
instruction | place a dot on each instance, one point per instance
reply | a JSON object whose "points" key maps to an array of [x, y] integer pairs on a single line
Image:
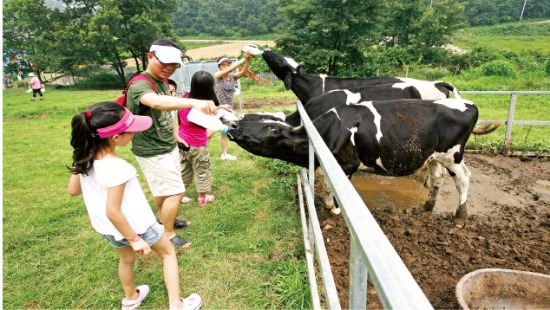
{"points": [[518, 37], [246, 253], [247, 250]]}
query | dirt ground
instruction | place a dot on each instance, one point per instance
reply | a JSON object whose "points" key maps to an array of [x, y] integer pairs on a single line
{"points": [[229, 48], [508, 227], [226, 48]]}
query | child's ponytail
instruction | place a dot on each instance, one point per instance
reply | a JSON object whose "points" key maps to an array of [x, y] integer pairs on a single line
{"points": [[84, 137]]}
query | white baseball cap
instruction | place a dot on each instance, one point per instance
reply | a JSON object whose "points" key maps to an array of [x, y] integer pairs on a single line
{"points": [[222, 60], [167, 54]]}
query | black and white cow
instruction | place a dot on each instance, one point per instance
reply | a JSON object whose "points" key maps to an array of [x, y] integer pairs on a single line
{"points": [[394, 138], [307, 86], [335, 98]]}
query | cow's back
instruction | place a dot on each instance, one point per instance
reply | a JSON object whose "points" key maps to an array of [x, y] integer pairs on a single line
{"points": [[335, 98], [308, 86]]}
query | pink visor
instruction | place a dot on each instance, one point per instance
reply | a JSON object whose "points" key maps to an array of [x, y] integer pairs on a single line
{"points": [[128, 123]]}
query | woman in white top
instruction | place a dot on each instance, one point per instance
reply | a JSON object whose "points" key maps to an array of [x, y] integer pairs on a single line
{"points": [[225, 89]]}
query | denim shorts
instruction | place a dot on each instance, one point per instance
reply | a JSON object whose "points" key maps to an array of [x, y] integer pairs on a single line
{"points": [[151, 236]]}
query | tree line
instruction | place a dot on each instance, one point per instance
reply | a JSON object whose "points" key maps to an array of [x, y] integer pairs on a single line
{"points": [[83, 32], [351, 37], [242, 18]]}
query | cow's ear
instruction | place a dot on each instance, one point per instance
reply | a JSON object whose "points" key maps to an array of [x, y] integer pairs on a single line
{"points": [[288, 81]]}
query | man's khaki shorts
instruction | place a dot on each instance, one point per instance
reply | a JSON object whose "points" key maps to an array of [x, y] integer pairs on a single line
{"points": [[162, 173]]}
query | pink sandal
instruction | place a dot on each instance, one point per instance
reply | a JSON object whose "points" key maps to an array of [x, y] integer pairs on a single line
{"points": [[207, 199]]}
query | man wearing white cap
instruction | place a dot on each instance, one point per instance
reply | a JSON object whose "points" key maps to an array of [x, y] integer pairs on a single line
{"points": [[155, 149]]}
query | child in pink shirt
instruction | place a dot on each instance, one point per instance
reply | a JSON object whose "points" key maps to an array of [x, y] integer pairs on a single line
{"points": [[36, 86], [195, 162]]}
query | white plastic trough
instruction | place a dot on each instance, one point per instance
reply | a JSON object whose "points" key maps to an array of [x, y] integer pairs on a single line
{"points": [[503, 289]]}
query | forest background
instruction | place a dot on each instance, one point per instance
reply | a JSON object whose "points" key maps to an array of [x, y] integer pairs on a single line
{"points": [[345, 38]]}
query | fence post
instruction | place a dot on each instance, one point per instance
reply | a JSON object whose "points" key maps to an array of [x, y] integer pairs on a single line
{"points": [[358, 276], [509, 124]]}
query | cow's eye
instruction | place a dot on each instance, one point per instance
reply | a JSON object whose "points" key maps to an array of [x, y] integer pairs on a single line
{"points": [[271, 128]]}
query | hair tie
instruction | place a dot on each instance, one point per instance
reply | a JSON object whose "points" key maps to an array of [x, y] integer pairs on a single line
{"points": [[88, 114]]}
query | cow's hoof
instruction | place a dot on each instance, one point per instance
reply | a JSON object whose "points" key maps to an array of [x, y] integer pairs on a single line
{"points": [[335, 211], [461, 216], [462, 212], [428, 206], [329, 206]]}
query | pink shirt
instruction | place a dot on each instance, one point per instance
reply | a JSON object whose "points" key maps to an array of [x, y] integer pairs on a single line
{"points": [[35, 83], [192, 133]]}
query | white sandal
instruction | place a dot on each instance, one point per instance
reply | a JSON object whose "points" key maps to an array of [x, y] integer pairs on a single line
{"points": [[143, 291]]}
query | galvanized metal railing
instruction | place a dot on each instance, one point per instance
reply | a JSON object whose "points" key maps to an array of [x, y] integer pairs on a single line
{"points": [[371, 253], [510, 122]]}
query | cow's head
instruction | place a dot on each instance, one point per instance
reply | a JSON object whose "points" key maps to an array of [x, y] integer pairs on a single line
{"points": [[277, 116], [276, 139], [284, 67], [270, 138]]}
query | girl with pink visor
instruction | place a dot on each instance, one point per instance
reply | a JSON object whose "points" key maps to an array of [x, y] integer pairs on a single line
{"points": [[116, 204]]}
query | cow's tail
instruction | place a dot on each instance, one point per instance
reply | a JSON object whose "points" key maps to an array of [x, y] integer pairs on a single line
{"points": [[486, 128], [450, 87], [455, 92]]}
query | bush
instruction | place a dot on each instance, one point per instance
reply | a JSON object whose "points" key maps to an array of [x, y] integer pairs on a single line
{"points": [[101, 81], [547, 67], [498, 68], [21, 84], [430, 74], [477, 57]]}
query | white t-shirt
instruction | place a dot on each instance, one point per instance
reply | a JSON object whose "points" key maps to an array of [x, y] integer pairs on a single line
{"points": [[108, 173]]}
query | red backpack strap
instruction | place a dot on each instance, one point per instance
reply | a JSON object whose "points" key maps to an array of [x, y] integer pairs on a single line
{"points": [[139, 77]]}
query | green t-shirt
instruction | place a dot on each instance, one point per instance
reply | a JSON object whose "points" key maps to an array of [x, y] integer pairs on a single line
{"points": [[159, 139]]}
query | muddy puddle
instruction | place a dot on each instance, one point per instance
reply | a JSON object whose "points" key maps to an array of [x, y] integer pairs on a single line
{"points": [[398, 193]]}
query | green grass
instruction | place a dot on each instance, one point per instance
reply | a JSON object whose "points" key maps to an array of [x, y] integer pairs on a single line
{"points": [[517, 37], [512, 43], [524, 138], [244, 244], [192, 45]]}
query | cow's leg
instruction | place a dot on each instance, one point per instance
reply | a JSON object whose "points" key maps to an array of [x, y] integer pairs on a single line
{"points": [[323, 189], [436, 180], [329, 198], [461, 175]]}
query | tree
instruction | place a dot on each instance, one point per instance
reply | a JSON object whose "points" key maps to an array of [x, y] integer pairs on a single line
{"points": [[26, 33], [230, 18], [118, 27], [438, 23], [491, 12], [401, 21], [85, 31], [329, 35]]}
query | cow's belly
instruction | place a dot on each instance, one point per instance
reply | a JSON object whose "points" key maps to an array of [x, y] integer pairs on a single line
{"points": [[398, 165]]}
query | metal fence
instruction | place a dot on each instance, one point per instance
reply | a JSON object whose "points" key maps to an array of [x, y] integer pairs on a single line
{"points": [[371, 253], [183, 76], [510, 122]]}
